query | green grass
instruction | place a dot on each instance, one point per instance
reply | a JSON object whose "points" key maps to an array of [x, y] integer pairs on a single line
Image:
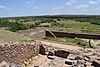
{"points": [[12, 37], [69, 41], [79, 25]]}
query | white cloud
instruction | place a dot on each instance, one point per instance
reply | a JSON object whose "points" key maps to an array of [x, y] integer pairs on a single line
{"points": [[28, 2], [36, 7], [70, 2], [57, 8], [3, 7], [82, 6], [92, 2]]}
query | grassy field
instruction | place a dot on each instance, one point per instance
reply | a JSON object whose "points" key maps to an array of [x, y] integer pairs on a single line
{"points": [[79, 25], [74, 26], [8, 36]]}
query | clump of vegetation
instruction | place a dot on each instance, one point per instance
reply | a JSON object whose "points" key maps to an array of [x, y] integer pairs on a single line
{"points": [[51, 21], [82, 43], [97, 21], [16, 26], [13, 26]]}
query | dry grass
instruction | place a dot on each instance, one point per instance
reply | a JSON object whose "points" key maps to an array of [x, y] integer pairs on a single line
{"points": [[12, 37]]}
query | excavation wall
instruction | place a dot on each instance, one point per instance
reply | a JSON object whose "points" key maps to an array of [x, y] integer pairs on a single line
{"points": [[72, 35]]}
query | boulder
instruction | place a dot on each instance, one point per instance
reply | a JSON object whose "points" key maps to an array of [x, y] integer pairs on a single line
{"points": [[96, 63], [80, 62], [79, 58], [36, 66], [68, 62], [62, 53], [71, 56], [51, 57], [16, 65], [4, 64], [51, 52], [43, 49]]}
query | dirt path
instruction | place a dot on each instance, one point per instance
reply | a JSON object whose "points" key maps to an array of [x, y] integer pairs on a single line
{"points": [[64, 46]]}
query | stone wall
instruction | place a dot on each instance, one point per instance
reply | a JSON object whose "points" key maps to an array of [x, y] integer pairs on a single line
{"points": [[72, 35], [18, 52]]}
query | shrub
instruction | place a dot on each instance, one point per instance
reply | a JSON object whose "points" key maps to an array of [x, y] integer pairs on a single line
{"points": [[82, 42]]}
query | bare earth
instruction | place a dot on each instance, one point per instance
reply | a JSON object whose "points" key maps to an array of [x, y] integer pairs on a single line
{"points": [[62, 46]]}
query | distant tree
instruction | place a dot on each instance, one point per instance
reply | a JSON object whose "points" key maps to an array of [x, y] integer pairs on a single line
{"points": [[16, 26]]}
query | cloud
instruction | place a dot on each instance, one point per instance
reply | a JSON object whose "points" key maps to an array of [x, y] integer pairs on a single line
{"points": [[57, 8], [92, 2], [36, 7], [70, 2], [82, 6], [30, 2], [3, 7]]}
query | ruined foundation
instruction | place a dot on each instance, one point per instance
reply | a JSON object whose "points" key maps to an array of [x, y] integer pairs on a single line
{"points": [[18, 52]]}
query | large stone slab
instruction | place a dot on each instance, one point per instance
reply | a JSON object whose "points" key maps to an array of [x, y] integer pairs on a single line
{"points": [[62, 53]]}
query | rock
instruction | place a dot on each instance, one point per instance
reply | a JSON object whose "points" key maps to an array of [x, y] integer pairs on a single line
{"points": [[65, 65], [69, 62], [96, 63], [79, 58], [81, 62], [16, 65], [36, 66], [89, 64], [4, 64], [92, 43], [62, 53], [50, 52], [57, 62], [87, 56], [43, 49], [51, 57], [86, 59], [97, 51], [71, 56]]}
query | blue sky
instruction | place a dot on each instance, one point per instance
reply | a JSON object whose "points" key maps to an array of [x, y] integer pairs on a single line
{"points": [[48, 7]]}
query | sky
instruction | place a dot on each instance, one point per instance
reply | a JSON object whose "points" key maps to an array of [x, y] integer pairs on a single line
{"points": [[9, 8]]}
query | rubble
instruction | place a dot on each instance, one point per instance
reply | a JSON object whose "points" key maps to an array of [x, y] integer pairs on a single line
{"points": [[15, 54], [18, 52]]}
